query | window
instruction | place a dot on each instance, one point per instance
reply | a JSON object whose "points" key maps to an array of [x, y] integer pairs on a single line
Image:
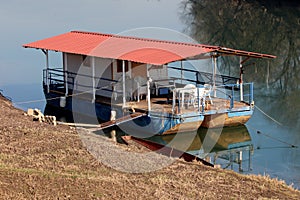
{"points": [[120, 66]]}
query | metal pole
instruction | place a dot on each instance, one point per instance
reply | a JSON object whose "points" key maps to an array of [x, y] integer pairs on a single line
{"points": [[123, 77], [47, 71], [241, 80], [240, 161], [148, 88], [93, 79], [65, 67], [173, 101], [214, 75]]}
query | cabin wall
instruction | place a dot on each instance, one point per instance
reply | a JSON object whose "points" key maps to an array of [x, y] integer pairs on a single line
{"points": [[139, 70], [107, 68], [103, 69], [82, 65], [158, 72]]}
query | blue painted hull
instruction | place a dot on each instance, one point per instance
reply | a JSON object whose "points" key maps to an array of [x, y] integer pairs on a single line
{"points": [[155, 123]]}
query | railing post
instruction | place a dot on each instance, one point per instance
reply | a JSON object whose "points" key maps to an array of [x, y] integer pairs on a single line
{"points": [[179, 104], [174, 101], [198, 98]]}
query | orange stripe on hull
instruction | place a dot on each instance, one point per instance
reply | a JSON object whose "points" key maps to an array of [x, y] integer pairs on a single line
{"points": [[221, 120]]}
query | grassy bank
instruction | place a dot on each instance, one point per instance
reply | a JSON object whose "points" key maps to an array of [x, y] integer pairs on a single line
{"points": [[40, 161]]}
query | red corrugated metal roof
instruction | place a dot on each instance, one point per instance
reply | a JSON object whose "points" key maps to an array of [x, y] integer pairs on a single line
{"points": [[141, 50]]}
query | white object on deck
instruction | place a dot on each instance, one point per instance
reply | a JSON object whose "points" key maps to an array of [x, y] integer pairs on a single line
{"points": [[189, 94], [62, 101]]}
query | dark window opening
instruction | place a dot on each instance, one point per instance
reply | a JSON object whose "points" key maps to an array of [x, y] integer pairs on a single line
{"points": [[120, 66]]}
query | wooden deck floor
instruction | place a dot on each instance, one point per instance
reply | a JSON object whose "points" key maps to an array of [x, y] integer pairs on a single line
{"points": [[161, 104]]}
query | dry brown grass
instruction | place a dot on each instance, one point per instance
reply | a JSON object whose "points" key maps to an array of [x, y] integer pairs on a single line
{"points": [[40, 161]]}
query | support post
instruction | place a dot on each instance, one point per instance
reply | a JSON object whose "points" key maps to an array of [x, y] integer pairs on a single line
{"points": [[214, 74], [148, 89], [240, 161], [138, 91], [123, 78], [47, 71], [113, 131], [198, 98], [241, 80], [93, 79], [174, 101], [65, 69]]}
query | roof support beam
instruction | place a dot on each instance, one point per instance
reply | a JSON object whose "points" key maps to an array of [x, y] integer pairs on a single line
{"points": [[124, 86], [93, 78], [241, 77], [47, 70], [215, 67], [65, 69], [148, 89]]}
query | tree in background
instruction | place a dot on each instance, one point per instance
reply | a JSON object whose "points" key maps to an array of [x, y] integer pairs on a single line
{"points": [[266, 26]]}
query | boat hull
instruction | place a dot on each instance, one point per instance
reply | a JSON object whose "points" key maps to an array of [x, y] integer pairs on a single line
{"points": [[154, 123], [228, 119]]}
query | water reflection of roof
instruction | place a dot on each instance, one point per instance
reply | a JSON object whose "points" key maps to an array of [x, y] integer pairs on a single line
{"points": [[157, 52]]}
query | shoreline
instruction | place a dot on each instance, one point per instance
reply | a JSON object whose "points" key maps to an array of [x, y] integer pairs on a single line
{"points": [[38, 160]]}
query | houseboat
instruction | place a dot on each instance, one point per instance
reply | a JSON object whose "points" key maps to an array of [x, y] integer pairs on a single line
{"points": [[142, 83]]}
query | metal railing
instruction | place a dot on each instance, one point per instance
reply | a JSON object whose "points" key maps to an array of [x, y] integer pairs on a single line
{"points": [[204, 77], [226, 88], [233, 93], [57, 79]]}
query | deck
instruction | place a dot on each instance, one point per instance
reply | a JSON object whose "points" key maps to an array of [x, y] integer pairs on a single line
{"points": [[163, 105]]}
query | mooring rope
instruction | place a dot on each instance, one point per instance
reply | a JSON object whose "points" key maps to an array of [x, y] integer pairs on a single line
{"points": [[274, 120], [54, 98], [274, 138]]}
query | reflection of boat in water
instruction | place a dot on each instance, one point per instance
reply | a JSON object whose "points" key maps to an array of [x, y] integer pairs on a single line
{"points": [[105, 75], [219, 146]]}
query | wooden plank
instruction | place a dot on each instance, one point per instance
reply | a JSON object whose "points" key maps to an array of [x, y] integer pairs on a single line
{"points": [[119, 121]]}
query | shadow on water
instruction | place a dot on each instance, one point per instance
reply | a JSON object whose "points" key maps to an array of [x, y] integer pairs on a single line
{"points": [[232, 148]]}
